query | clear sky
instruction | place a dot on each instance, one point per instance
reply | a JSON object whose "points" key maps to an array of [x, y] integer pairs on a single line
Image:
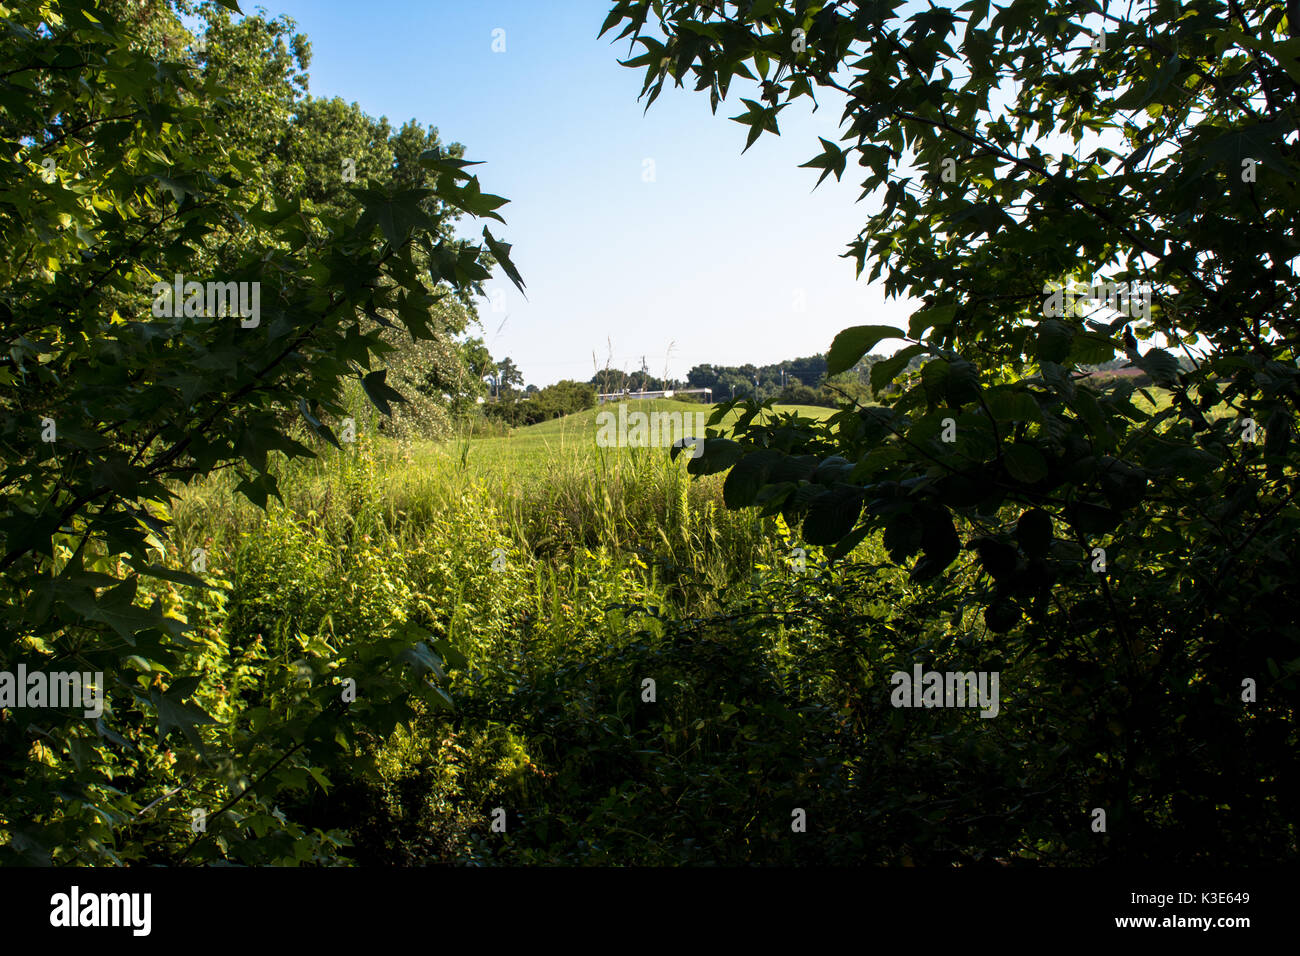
{"points": [[720, 257]]}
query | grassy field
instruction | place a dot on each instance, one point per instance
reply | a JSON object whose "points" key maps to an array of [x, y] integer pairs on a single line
{"points": [[547, 490], [526, 449], [566, 575]]}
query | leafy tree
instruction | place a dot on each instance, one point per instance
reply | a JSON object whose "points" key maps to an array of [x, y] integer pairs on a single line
{"points": [[477, 358], [702, 376], [327, 143], [803, 395], [555, 401], [508, 374], [262, 64], [1136, 558], [110, 396], [810, 370]]}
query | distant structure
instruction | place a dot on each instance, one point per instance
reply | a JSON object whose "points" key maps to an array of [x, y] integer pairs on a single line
{"points": [[665, 393]]}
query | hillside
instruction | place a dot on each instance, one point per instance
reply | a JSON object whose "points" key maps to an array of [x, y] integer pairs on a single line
{"points": [[577, 433]]}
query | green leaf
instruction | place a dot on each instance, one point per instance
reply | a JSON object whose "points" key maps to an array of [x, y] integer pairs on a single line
{"points": [[1123, 484], [178, 189], [1089, 348], [440, 696], [174, 715], [794, 468], [902, 537], [449, 165], [452, 657], [834, 470], [962, 383], [939, 317], [832, 515], [1094, 519], [422, 657], [397, 216], [832, 160], [1034, 531], [1052, 342], [886, 370], [1024, 463], [846, 544], [183, 687], [259, 488], [747, 476], [718, 454], [1085, 405], [379, 393], [109, 734], [1010, 404], [320, 429], [997, 558], [1258, 142], [501, 252], [940, 544], [1001, 616], [934, 379], [116, 609], [171, 574], [1178, 459], [853, 343], [1160, 365], [471, 198], [758, 118]]}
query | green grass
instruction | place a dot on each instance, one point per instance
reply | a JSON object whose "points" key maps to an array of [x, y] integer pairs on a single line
{"points": [[547, 488], [534, 445]]}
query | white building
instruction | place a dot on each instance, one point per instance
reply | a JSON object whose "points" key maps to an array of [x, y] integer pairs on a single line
{"points": [[666, 393]]}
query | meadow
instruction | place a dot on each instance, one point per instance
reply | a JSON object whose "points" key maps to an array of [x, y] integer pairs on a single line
{"points": [[559, 577], [638, 675]]}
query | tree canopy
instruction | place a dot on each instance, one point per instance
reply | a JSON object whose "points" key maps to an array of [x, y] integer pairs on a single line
{"points": [[136, 157]]}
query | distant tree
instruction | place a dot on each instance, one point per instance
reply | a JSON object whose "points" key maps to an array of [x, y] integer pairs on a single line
{"points": [[804, 395], [508, 374], [555, 401], [702, 376], [477, 359], [810, 370]]}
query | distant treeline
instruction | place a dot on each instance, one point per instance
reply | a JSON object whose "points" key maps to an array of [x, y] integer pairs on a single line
{"points": [[800, 381], [533, 404]]}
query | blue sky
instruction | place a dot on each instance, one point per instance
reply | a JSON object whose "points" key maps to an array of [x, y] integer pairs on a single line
{"points": [[722, 258]]}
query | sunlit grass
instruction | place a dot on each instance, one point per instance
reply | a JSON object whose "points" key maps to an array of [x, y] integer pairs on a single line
{"points": [[551, 490]]}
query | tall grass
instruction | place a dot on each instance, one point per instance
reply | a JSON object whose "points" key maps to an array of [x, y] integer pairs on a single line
{"points": [[551, 498]]}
